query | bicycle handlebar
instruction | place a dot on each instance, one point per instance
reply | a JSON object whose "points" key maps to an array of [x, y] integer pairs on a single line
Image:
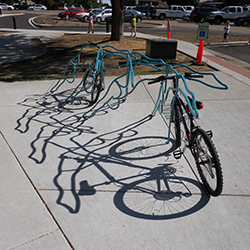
{"points": [[189, 75], [163, 77], [160, 79]]}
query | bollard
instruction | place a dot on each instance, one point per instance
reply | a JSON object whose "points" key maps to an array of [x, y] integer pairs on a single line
{"points": [[107, 25], [168, 29], [14, 22], [200, 52]]}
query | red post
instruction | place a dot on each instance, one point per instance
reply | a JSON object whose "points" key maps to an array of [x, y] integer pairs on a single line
{"points": [[168, 29], [200, 52]]}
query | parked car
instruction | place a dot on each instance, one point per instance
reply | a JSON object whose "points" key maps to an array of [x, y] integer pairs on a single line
{"points": [[186, 17], [188, 7], [128, 14], [139, 16], [201, 14], [84, 16], [5, 6], [243, 21], [18, 6], [37, 7], [144, 9], [101, 17], [70, 12], [129, 7], [229, 13]]}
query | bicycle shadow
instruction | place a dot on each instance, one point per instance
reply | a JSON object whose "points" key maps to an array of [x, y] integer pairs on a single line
{"points": [[63, 129]]}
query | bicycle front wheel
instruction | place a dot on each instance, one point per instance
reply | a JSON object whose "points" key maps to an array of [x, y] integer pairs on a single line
{"points": [[97, 87], [95, 81], [208, 162], [177, 124]]}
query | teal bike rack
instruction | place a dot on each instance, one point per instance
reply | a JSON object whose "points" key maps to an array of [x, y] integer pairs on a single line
{"points": [[131, 61]]}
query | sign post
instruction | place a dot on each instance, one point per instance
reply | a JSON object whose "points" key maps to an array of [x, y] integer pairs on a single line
{"points": [[202, 35]]}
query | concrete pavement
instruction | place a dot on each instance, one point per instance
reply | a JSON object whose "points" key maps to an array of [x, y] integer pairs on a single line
{"points": [[70, 183]]}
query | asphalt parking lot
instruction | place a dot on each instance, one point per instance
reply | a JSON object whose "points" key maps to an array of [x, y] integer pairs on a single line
{"points": [[238, 51]]}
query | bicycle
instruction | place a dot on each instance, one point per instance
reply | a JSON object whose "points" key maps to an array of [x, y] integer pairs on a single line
{"points": [[184, 112], [93, 78]]}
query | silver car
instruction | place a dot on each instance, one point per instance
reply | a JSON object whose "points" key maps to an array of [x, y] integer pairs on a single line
{"points": [[101, 17], [85, 15], [5, 6], [37, 7]]}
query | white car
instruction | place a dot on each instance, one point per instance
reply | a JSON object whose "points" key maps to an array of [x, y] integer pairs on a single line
{"points": [[101, 17], [85, 15], [37, 7], [5, 6]]}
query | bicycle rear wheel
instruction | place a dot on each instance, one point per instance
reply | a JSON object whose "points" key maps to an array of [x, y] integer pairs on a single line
{"points": [[208, 162]]}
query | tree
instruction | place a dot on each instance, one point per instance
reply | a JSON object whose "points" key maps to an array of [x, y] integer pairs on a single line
{"points": [[117, 20]]}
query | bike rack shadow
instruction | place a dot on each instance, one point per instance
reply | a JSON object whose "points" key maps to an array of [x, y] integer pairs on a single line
{"points": [[124, 148]]}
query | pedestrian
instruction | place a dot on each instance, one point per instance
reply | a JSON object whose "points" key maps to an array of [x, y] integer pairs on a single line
{"points": [[133, 25], [226, 31], [91, 23]]}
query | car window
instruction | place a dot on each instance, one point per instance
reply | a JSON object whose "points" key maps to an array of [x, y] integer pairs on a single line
{"points": [[238, 9], [231, 9], [179, 8], [225, 9]]}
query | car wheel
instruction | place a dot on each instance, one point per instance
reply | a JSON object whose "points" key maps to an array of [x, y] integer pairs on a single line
{"points": [[217, 20], [9, 9], [43, 9], [85, 19], [237, 23], [162, 17], [202, 20], [139, 20], [98, 19], [67, 17], [245, 23], [31, 9]]}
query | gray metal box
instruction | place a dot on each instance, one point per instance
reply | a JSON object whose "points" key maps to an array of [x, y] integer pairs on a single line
{"points": [[161, 48]]}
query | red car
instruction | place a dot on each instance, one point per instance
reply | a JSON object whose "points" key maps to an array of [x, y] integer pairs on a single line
{"points": [[70, 12]]}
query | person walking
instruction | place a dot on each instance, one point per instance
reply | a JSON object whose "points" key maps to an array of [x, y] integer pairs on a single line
{"points": [[226, 31], [91, 23], [133, 25]]}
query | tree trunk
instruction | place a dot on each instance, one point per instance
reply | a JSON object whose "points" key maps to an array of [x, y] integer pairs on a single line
{"points": [[117, 20]]}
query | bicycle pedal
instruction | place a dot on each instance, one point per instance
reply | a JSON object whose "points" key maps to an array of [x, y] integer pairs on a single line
{"points": [[209, 133], [177, 154]]}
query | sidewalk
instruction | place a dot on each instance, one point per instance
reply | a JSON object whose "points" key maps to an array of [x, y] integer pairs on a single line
{"points": [[70, 183]]}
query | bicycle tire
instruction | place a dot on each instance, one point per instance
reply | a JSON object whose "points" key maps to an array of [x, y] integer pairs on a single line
{"points": [[208, 162], [97, 88], [177, 124], [89, 80]]}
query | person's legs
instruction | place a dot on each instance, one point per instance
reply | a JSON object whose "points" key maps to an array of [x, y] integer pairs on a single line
{"points": [[226, 37], [135, 31]]}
